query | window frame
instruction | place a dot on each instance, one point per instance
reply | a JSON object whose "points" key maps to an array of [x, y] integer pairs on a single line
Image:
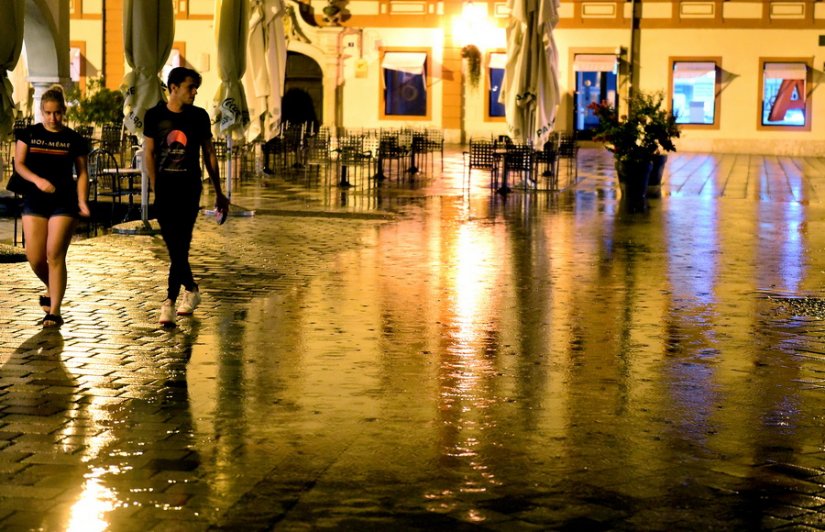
{"points": [[82, 70], [428, 84], [488, 86], [717, 91], [180, 47], [808, 62]]}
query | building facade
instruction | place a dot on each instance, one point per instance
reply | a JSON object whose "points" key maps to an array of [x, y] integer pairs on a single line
{"points": [[742, 75]]}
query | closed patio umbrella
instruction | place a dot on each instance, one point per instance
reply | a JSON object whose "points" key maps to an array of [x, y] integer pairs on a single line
{"points": [[11, 42], [148, 33], [531, 86], [264, 79], [231, 113]]}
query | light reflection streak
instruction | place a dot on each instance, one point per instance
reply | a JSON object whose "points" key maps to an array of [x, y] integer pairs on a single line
{"points": [[791, 258], [472, 261], [88, 512], [465, 396]]}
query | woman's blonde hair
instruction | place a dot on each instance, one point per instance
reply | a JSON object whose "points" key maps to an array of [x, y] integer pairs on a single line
{"points": [[54, 94]]}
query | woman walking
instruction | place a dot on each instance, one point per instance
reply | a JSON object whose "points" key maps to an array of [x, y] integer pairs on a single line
{"points": [[45, 155]]}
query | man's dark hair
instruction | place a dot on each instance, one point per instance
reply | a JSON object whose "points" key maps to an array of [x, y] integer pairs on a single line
{"points": [[179, 74]]}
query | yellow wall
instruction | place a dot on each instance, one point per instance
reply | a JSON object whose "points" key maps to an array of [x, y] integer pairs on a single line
{"points": [[737, 32]]}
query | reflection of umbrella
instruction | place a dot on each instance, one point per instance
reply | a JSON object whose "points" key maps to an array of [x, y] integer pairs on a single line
{"points": [[531, 86], [148, 32], [264, 79], [231, 113], [11, 42]]}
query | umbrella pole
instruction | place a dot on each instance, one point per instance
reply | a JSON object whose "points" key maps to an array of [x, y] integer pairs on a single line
{"points": [[144, 189], [229, 168], [142, 226], [234, 210]]}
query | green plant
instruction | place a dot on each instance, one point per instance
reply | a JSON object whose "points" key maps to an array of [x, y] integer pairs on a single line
{"points": [[100, 105], [647, 129], [473, 56]]}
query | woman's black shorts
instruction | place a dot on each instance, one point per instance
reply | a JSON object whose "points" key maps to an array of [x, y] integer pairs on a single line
{"points": [[47, 205]]}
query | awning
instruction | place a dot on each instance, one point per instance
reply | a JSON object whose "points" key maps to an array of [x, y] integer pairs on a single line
{"points": [[689, 69], [594, 63], [786, 71], [498, 60], [409, 62]]}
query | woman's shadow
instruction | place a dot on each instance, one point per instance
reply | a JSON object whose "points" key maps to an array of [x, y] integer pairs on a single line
{"points": [[37, 365], [40, 392]]}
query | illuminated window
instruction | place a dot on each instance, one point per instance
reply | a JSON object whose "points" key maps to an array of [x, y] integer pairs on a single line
{"points": [[75, 62], [783, 94], [173, 62], [694, 92], [496, 71], [405, 87]]}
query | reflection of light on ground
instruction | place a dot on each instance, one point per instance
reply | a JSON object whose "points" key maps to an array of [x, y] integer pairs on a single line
{"points": [[792, 264], [694, 272], [466, 396], [472, 278], [95, 502]]}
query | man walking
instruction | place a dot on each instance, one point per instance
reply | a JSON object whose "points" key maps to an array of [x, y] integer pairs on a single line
{"points": [[175, 134]]}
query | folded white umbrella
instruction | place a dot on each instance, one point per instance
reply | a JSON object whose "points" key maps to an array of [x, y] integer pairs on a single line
{"points": [[148, 34], [266, 72], [531, 87], [231, 113], [11, 42]]}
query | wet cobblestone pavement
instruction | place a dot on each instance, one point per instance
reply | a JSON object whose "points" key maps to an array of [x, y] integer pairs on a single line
{"points": [[433, 356]]}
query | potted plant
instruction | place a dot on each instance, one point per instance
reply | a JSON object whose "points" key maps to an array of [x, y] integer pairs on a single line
{"points": [[100, 105], [638, 139], [473, 56]]}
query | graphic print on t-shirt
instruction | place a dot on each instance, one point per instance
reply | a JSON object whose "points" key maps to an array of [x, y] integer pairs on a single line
{"points": [[173, 151], [50, 147]]}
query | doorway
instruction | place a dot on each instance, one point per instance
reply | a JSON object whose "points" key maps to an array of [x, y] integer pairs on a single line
{"points": [[303, 99], [596, 82]]}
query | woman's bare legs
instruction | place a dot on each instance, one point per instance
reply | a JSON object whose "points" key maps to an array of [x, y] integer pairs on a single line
{"points": [[47, 242], [58, 239], [35, 230]]}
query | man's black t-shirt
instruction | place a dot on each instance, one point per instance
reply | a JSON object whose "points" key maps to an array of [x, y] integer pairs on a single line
{"points": [[178, 141]]}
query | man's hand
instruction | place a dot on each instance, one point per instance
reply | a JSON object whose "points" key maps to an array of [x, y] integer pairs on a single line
{"points": [[221, 202]]}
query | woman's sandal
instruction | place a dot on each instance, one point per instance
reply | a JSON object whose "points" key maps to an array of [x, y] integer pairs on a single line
{"points": [[52, 321], [45, 303]]}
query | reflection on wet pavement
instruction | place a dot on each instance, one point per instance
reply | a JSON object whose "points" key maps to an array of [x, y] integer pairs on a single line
{"points": [[444, 359]]}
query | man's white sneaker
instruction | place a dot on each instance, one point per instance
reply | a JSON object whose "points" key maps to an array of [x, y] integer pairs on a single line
{"points": [[167, 314], [190, 302]]}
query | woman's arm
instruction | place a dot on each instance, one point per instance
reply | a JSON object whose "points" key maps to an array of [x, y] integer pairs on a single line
{"points": [[21, 149], [81, 164]]}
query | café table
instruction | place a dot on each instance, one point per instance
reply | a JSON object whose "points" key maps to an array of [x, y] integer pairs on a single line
{"points": [[129, 174]]}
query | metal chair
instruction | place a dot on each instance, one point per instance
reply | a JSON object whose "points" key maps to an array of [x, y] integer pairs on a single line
{"points": [[545, 165], [391, 152], [351, 161], [568, 150], [518, 161], [317, 155], [111, 140], [107, 181], [480, 154]]}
